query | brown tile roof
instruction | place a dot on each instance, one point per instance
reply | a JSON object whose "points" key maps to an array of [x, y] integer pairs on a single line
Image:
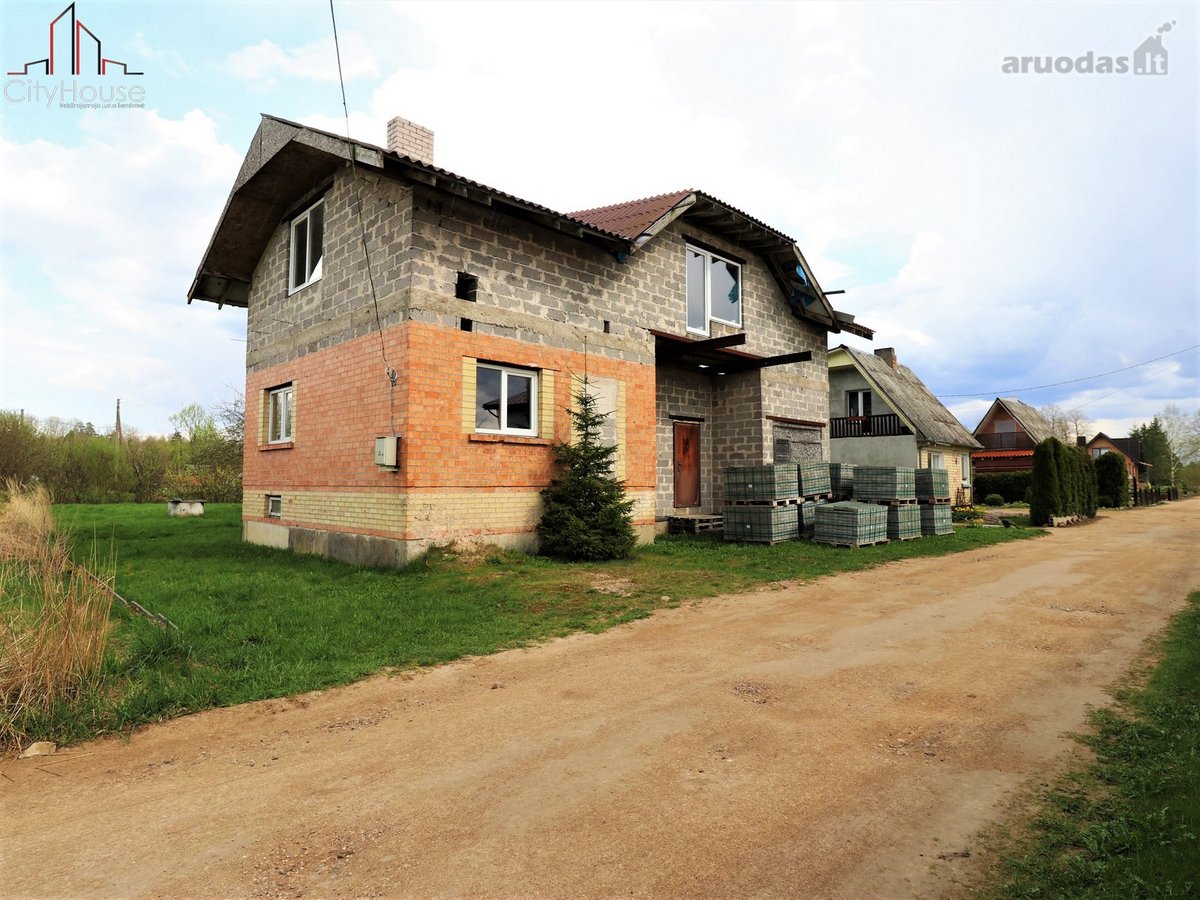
{"points": [[632, 218]]}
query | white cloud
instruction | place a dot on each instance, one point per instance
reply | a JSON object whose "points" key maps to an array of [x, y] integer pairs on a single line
{"points": [[318, 61], [97, 273]]}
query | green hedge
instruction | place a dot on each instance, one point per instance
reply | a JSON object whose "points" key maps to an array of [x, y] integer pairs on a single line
{"points": [[1012, 486], [1063, 482], [1112, 479]]}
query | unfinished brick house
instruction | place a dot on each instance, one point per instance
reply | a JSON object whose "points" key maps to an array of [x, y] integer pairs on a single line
{"points": [[414, 401]]}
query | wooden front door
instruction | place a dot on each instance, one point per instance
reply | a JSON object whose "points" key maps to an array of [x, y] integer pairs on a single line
{"points": [[687, 464]]}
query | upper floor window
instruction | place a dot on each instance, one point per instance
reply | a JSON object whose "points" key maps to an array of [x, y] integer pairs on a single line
{"points": [[858, 403], [307, 246], [279, 414], [714, 290], [505, 400]]}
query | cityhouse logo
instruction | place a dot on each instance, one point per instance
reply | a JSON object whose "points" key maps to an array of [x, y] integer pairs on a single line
{"points": [[74, 49], [1150, 58]]}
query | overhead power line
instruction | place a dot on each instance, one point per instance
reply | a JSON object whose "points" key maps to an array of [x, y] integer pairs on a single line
{"points": [[1039, 387]]}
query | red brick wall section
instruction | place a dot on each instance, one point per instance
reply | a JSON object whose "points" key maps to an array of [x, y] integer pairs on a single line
{"points": [[342, 405]]}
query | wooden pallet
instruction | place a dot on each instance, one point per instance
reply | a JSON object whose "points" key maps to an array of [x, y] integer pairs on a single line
{"points": [[851, 545], [934, 501], [778, 502], [694, 524], [911, 537], [905, 502], [814, 497]]}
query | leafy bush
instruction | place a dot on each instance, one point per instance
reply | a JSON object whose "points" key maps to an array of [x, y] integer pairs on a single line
{"points": [[1106, 501], [993, 500], [587, 516]]}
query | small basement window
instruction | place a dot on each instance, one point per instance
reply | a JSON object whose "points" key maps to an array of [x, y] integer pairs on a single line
{"points": [[307, 247], [466, 287], [274, 506]]}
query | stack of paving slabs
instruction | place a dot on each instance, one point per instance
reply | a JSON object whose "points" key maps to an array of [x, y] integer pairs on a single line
{"points": [[851, 524], [813, 479], [762, 524], [761, 503], [761, 483], [936, 518], [933, 485], [841, 480], [885, 484], [903, 522], [807, 517]]}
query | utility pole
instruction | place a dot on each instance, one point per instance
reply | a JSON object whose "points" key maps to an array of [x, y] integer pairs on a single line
{"points": [[117, 430]]}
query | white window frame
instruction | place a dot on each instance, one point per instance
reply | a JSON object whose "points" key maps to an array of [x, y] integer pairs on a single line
{"points": [[505, 372], [965, 464], [937, 460], [288, 391], [860, 394], [274, 506], [709, 318], [314, 269]]}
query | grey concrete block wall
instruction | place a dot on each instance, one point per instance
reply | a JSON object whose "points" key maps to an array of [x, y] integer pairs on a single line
{"points": [[545, 287]]}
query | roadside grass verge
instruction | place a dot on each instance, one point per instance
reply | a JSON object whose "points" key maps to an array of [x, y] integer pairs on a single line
{"points": [[1127, 824], [256, 623]]}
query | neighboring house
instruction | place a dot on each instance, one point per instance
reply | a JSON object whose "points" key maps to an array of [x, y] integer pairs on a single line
{"points": [[1009, 431], [415, 400], [1130, 450], [881, 414]]}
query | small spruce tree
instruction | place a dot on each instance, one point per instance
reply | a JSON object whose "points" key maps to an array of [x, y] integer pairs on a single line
{"points": [[586, 516]]}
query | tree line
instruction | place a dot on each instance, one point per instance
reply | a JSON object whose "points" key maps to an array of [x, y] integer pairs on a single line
{"points": [[202, 459]]}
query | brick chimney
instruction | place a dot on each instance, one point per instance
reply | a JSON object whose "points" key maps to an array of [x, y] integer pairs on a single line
{"points": [[888, 355], [410, 139]]}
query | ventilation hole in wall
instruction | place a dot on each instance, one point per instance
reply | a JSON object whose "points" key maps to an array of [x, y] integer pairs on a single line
{"points": [[607, 326], [466, 286], [466, 324]]}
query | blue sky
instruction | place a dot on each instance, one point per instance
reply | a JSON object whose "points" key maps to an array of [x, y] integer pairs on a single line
{"points": [[999, 230]]}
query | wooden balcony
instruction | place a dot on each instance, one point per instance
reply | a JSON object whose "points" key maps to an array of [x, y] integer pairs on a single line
{"points": [[1012, 440], [888, 425]]}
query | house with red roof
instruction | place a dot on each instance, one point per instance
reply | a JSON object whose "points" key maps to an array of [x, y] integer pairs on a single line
{"points": [[414, 339]]}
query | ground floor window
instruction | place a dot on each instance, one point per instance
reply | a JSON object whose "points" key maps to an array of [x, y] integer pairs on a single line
{"points": [[280, 403], [274, 506], [505, 400]]}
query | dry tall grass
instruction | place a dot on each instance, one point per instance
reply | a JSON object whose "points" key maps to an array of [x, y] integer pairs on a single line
{"points": [[54, 616]]}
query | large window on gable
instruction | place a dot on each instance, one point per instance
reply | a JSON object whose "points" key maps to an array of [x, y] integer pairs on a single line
{"points": [[307, 247], [505, 400], [714, 290], [280, 402]]}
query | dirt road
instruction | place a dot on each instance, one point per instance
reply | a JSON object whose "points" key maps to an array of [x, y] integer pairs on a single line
{"points": [[829, 739]]}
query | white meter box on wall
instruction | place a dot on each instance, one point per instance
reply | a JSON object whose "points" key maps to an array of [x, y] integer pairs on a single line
{"points": [[387, 451]]}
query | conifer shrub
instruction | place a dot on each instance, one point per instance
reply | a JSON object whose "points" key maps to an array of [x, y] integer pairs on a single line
{"points": [[1112, 480], [586, 515], [1062, 483]]}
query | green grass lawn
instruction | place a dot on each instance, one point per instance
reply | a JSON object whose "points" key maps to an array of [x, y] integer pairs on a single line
{"points": [[1128, 824], [256, 622]]}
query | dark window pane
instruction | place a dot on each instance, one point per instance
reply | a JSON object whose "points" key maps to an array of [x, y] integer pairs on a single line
{"points": [[725, 285], [487, 398], [316, 227], [697, 316], [300, 253], [520, 402]]}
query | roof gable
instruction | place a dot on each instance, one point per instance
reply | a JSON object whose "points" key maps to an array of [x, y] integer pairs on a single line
{"points": [[908, 395], [1032, 422]]}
